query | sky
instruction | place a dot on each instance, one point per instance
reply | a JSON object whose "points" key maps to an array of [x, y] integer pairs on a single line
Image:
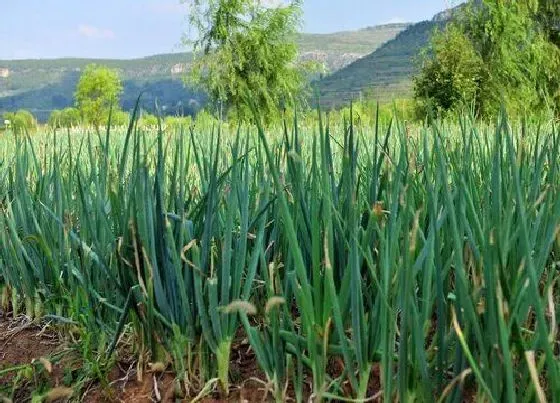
{"points": [[135, 28]]}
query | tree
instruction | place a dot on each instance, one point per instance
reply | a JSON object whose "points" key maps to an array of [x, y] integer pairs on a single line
{"points": [[451, 74], [98, 90], [244, 47], [66, 118], [119, 118], [506, 48], [21, 121], [148, 121], [548, 13], [55, 121], [70, 117]]}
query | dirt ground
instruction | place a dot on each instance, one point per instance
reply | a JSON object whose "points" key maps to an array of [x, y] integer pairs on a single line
{"points": [[161, 387], [23, 343]]}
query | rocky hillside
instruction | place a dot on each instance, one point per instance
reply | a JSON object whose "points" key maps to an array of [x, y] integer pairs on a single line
{"points": [[387, 72], [339, 49]]}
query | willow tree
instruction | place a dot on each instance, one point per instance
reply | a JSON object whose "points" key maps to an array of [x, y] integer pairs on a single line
{"points": [[495, 53], [247, 49], [21, 121], [548, 13]]}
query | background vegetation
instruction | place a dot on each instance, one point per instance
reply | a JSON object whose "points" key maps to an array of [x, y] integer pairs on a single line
{"points": [[42, 86], [495, 54]]}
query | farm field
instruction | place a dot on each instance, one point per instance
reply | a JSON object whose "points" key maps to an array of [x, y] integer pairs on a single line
{"points": [[325, 260]]}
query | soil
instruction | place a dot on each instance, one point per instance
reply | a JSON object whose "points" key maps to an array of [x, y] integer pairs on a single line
{"points": [[125, 388], [23, 343]]}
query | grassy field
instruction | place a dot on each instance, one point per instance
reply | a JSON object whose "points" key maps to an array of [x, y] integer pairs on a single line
{"points": [[382, 263]]}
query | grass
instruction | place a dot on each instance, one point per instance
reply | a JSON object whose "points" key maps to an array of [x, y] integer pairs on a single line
{"points": [[422, 260]]}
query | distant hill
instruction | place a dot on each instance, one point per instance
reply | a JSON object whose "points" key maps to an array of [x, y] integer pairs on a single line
{"points": [[339, 49], [44, 85], [384, 74]]}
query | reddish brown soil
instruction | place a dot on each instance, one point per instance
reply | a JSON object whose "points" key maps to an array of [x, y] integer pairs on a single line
{"points": [[130, 390], [22, 343], [125, 387]]}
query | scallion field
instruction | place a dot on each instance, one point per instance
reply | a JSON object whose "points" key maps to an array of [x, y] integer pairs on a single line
{"points": [[349, 261]]}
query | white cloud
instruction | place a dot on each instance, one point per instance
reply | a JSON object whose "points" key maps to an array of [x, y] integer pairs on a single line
{"points": [[91, 32]]}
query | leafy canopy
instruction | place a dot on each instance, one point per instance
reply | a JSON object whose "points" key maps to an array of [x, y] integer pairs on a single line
{"points": [[65, 118], [244, 48], [148, 121], [494, 53], [21, 121], [98, 89], [449, 76], [119, 118]]}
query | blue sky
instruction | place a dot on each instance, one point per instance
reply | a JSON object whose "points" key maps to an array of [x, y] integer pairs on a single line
{"points": [[135, 28]]}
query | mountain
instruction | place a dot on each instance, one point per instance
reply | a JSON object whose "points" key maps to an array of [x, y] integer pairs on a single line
{"points": [[44, 85], [384, 74], [339, 49]]}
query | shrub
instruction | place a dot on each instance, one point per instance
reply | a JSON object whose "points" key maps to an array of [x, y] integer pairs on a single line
{"points": [[21, 121]]}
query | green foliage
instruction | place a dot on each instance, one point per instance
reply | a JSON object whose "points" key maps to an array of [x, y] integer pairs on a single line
{"points": [[119, 118], [55, 120], [45, 85], [393, 251], [97, 91], [148, 121], [246, 49], [548, 13], [451, 74], [21, 121], [496, 53], [69, 118], [364, 113], [66, 118], [171, 124], [177, 123], [204, 119]]}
